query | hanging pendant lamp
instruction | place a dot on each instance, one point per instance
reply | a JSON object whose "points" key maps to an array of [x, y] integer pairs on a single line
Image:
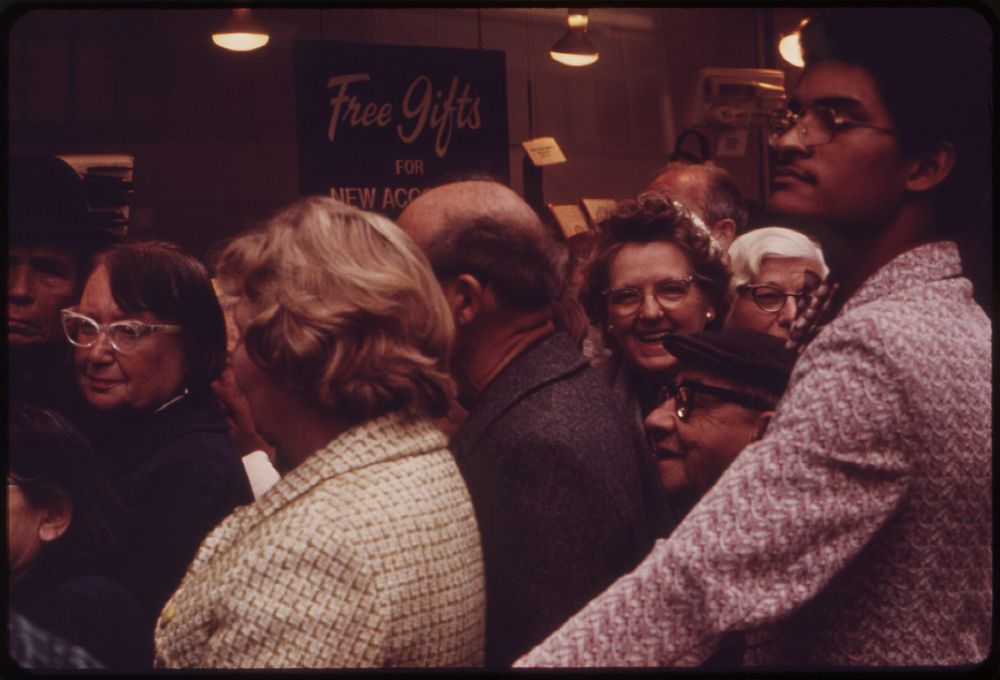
{"points": [[241, 33], [575, 48], [790, 48]]}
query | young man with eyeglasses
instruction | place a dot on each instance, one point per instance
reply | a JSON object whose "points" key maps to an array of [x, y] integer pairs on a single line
{"points": [[857, 531]]}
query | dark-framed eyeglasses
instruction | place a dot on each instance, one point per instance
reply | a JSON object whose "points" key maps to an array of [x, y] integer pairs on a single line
{"points": [[685, 396], [82, 331], [668, 293], [815, 125], [772, 299]]}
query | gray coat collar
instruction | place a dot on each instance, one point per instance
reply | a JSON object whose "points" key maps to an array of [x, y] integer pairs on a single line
{"points": [[550, 359]]}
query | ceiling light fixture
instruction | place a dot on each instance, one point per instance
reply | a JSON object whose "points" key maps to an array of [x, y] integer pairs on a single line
{"points": [[241, 33], [790, 48], [575, 48]]}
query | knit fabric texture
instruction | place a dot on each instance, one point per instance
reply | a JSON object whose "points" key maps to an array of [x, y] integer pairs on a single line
{"points": [[858, 531], [365, 555]]}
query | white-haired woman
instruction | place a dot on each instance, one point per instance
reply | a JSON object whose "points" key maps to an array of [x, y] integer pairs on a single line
{"points": [[771, 265], [366, 553]]}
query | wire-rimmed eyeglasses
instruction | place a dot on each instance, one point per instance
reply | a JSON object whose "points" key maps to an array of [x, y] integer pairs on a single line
{"points": [[82, 331], [815, 125], [668, 293]]}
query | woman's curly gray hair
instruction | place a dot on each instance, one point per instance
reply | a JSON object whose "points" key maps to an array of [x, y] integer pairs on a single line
{"points": [[346, 311], [654, 217]]}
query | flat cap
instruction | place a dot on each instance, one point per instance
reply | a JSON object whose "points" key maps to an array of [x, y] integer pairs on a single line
{"points": [[46, 198], [746, 357]]}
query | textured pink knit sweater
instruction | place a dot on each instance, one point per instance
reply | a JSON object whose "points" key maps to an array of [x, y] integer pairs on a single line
{"points": [[858, 531]]}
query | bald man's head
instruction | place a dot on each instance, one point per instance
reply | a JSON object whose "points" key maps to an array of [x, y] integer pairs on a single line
{"points": [[485, 229], [464, 202], [685, 183], [708, 191]]}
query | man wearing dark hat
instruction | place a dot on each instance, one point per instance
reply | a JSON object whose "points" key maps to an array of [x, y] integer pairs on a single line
{"points": [[720, 400], [51, 243]]}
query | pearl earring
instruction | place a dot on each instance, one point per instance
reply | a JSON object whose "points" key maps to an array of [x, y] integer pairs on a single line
{"points": [[610, 327], [710, 314]]}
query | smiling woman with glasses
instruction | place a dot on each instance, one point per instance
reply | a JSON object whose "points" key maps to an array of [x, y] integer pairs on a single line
{"points": [[775, 271], [148, 339], [657, 271]]}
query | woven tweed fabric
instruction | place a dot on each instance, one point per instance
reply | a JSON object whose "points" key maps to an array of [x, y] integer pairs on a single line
{"points": [[365, 555], [858, 531], [564, 488]]}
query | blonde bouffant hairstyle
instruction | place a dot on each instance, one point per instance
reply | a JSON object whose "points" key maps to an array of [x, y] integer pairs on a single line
{"points": [[346, 311]]}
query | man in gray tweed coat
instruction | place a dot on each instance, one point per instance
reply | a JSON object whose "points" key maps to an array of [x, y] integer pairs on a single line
{"points": [[858, 531], [565, 490]]}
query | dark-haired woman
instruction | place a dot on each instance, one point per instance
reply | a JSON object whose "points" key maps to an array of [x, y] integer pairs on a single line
{"points": [[149, 338], [61, 545]]}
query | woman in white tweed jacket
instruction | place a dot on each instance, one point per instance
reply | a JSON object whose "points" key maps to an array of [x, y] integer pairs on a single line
{"points": [[366, 553]]}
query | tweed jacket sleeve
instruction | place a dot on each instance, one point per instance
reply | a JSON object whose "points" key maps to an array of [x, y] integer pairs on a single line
{"points": [[273, 609], [365, 555], [860, 448]]}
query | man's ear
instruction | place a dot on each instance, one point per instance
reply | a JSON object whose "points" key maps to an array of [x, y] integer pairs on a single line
{"points": [[56, 518], [724, 231], [465, 297], [931, 168], [760, 426]]}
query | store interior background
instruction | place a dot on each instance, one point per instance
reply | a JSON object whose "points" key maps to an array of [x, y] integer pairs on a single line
{"points": [[213, 132]]}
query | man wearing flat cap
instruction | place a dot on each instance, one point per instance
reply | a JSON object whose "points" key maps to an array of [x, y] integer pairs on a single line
{"points": [[721, 399], [51, 242]]}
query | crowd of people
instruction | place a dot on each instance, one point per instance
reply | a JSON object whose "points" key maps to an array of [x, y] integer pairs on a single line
{"points": [[455, 440]]}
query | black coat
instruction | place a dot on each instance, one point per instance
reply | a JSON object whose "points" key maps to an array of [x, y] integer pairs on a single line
{"points": [[43, 375], [179, 475], [565, 490], [89, 610]]}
